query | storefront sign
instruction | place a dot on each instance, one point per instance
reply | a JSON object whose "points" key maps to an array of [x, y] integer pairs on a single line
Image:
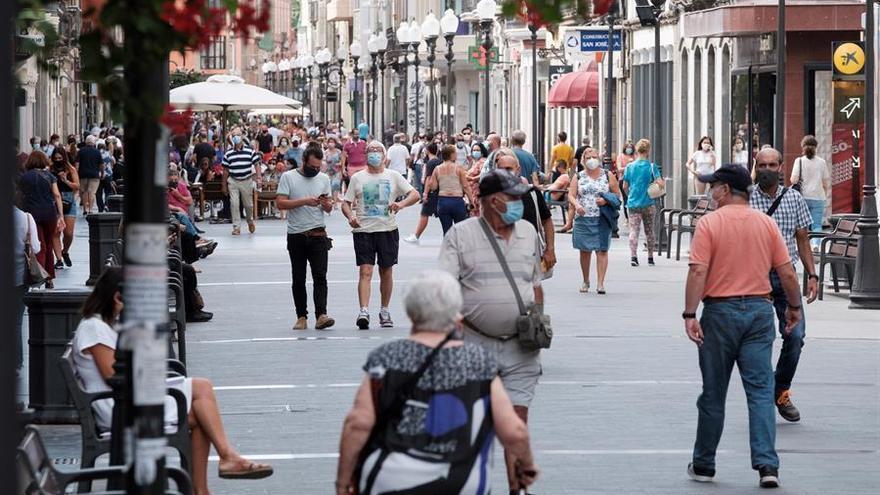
{"points": [[592, 40], [556, 72], [846, 181], [848, 58], [848, 102]]}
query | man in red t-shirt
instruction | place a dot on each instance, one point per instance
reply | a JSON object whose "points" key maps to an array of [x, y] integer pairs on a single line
{"points": [[354, 157]]}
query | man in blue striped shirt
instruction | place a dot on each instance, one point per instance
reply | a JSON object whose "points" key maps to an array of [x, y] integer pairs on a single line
{"points": [[241, 165]]}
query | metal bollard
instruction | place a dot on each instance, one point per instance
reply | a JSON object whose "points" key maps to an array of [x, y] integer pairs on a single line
{"points": [[52, 319], [114, 203], [103, 234]]}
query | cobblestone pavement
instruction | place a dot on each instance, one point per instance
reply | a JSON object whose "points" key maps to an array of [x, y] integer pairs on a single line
{"points": [[614, 413]]}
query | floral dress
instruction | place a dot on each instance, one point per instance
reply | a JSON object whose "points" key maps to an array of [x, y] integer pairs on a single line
{"points": [[589, 189], [589, 232]]}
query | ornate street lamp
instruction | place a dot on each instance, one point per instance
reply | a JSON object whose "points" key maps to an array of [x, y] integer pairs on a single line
{"points": [[308, 61], [341, 57], [273, 75], [533, 29], [382, 45], [486, 14], [431, 30], [373, 48], [323, 60], [415, 40], [265, 70], [449, 25], [355, 51], [284, 69], [403, 41]]}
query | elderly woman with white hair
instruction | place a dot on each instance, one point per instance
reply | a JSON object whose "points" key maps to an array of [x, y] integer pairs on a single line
{"points": [[419, 422]]}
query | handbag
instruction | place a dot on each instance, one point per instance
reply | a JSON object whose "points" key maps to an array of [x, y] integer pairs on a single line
{"points": [[35, 274], [533, 330], [548, 272], [656, 190], [800, 183]]}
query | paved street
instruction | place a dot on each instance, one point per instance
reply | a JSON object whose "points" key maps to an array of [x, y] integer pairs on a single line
{"points": [[615, 411]]}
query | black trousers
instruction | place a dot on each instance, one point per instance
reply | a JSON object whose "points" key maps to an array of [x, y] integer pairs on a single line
{"points": [[313, 251], [192, 299]]}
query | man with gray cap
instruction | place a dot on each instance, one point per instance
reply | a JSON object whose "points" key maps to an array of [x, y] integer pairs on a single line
{"points": [[733, 250], [490, 312]]}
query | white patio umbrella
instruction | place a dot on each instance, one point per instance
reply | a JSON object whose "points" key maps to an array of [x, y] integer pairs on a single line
{"points": [[224, 92], [278, 111]]}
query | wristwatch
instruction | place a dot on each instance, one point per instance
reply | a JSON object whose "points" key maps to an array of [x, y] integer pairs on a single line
{"points": [[813, 276], [689, 316]]}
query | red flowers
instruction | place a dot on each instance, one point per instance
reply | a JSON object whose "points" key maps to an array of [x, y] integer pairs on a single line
{"points": [[199, 23], [177, 122]]}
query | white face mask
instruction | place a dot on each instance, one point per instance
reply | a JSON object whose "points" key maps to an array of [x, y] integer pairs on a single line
{"points": [[706, 146], [592, 164], [738, 147]]}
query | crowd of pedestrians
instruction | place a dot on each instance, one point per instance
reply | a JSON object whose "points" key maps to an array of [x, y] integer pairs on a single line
{"points": [[478, 325]]}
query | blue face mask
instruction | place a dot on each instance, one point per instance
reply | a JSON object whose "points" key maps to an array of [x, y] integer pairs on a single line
{"points": [[374, 158], [236, 140], [514, 212]]}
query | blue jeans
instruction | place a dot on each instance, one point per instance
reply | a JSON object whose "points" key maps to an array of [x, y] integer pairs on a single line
{"points": [[792, 343], [187, 223], [737, 331], [417, 177], [817, 211], [451, 210]]}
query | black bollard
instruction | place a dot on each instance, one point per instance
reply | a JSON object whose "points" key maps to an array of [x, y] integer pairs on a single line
{"points": [[52, 319], [103, 235]]}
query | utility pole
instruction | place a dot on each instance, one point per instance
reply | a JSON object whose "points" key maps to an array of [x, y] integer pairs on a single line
{"points": [[609, 87], [779, 136]]}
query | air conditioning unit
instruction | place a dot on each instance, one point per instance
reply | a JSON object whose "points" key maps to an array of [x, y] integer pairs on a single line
{"points": [[767, 43]]}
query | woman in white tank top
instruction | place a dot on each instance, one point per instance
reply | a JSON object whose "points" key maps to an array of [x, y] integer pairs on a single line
{"points": [[702, 162]]}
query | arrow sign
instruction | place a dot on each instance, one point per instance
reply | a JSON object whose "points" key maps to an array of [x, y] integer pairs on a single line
{"points": [[853, 105]]}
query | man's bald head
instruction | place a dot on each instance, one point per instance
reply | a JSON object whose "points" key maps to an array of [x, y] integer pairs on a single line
{"points": [[769, 156], [494, 141]]}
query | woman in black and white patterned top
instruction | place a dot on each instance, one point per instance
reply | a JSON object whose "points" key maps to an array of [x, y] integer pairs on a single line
{"points": [[435, 436]]}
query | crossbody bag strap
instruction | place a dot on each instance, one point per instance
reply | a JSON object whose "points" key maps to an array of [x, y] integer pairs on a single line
{"points": [[775, 205], [27, 237], [538, 216], [491, 236]]}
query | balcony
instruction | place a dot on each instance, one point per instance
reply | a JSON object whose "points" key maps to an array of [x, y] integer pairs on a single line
{"points": [[339, 10]]}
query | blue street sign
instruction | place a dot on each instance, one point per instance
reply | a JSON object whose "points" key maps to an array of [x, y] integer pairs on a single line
{"points": [[594, 40]]}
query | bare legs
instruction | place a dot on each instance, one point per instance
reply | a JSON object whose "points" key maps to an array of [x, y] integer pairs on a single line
{"points": [[601, 268], [699, 187], [386, 284], [586, 257], [207, 430], [365, 273], [423, 224]]}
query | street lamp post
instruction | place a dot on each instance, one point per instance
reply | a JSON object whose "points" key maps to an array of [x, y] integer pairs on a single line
{"points": [[449, 24], [779, 135], [382, 45], [284, 69], [308, 62], [431, 30], [373, 47], [865, 291], [606, 160], [486, 13], [341, 57], [403, 41], [415, 40], [355, 51], [533, 29], [323, 59]]}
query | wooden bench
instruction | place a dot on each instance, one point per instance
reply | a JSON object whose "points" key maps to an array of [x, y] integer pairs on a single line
{"points": [[96, 443], [38, 476]]}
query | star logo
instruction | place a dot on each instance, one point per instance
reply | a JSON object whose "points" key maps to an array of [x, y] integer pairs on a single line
{"points": [[849, 57]]}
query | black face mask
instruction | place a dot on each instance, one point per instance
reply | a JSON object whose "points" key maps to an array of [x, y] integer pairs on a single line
{"points": [[309, 171], [766, 178]]}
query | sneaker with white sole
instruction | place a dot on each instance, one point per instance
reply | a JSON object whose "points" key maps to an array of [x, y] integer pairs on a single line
{"points": [[768, 477], [363, 320], [412, 239], [701, 474], [385, 319]]}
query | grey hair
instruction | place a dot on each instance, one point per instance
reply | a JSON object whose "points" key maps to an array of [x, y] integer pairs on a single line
{"points": [[518, 137], [433, 301]]}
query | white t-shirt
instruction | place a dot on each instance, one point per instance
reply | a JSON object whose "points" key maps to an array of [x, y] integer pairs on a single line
{"points": [[295, 185], [814, 172], [417, 149], [370, 194], [741, 158], [22, 219], [704, 162], [93, 331], [397, 156]]}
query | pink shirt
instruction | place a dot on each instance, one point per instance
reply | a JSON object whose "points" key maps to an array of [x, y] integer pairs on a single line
{"points": [[184, 191], [356, 156]]}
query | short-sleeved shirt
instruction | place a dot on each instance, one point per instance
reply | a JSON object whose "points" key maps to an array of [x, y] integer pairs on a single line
{"points": [[371, 194], [791, 214], [241, 163], [184, 191], [813, 174], [397, 156], [527, 163], [37, 196], [89, 160], [639, 175], [489, 302], [89, 333], [295, 185], [529, 200], [739, 246], [266, 142], [429, 171], [356, 156], [363, 130], [562, 151]]}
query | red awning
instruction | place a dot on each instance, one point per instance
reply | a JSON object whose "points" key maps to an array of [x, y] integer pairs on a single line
{"points": [[575, 90]]}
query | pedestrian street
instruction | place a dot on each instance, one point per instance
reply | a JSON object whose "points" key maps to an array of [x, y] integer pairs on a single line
{"points": [[614, 411]]}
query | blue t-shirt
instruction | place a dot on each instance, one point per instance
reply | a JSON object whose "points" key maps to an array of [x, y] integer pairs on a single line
{"points": [[527, 163], [639, 175], [363, 130]]}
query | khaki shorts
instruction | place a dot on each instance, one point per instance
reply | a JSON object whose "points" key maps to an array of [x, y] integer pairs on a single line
{"points": [[519, 370], [89, 185]]}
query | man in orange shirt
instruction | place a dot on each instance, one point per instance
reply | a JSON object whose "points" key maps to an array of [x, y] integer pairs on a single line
{"points": [[733, 250], [561, 151]]}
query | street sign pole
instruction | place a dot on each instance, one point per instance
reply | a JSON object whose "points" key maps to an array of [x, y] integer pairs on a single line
{"points": [[606, 161], [865, 292], [779, 137]]}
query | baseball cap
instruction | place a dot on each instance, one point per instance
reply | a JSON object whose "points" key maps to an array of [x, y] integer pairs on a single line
{"points": [[731, 174], [499, 180]]}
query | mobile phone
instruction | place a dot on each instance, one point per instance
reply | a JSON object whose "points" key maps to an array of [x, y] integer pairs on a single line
{"points": [[323, 196]]}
